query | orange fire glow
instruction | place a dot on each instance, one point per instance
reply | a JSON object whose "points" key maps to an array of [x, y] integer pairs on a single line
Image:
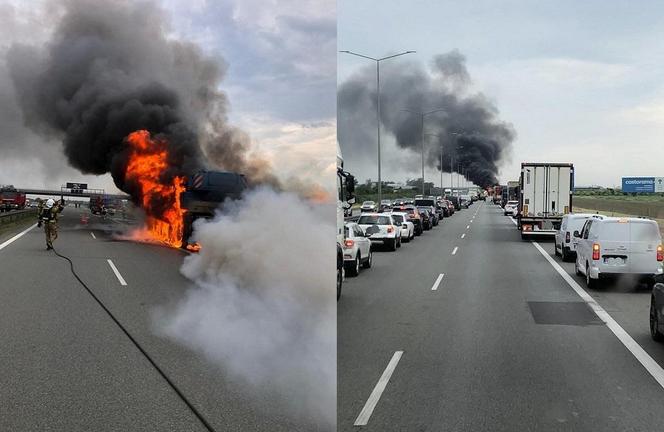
{"points": [[148, 161]]}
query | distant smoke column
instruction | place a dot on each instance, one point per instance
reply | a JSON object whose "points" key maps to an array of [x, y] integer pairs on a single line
{"points": [[484, 140]]}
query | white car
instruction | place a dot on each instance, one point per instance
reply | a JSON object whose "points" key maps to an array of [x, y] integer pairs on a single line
{"points": [[407, 227], [357, 249], [380, 228], [611, 246], [510, 206], [368, 206], [565, 243]]}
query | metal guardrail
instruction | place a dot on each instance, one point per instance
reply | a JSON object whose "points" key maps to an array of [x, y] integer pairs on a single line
{"points": [[14, 215]]}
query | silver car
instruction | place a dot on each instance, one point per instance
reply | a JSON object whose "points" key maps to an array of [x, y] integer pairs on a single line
{"points": [[357, 249]]}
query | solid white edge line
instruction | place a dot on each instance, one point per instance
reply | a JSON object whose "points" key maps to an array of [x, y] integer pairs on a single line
{"points": [[93, 235], [366, 412], [117, 273], [16, 237], [456, 248], [463, 235], [435, 285], [641, 355], [467, 226]]}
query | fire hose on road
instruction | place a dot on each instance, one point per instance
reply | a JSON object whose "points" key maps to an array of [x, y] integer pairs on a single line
{"points": [[161, 372]]}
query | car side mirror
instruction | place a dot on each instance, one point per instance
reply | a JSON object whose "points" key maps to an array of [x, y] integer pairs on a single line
{"points": [[404, 226], [576, 234]]}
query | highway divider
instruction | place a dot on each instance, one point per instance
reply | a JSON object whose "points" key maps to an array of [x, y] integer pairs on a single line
{"points": [[16, 215]]}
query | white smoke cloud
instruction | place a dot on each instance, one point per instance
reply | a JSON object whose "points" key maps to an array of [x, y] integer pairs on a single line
{"points": [[263, 305]]}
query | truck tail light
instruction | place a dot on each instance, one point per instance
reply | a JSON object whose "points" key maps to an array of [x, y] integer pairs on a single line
{"points": [[567, 237], [349, 243], [566, 210], [525, 210], [390, 229], [595, 251], [660, 253]]}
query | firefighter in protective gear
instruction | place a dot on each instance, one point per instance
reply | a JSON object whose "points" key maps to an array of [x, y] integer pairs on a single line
{"points": [[48, 216]]}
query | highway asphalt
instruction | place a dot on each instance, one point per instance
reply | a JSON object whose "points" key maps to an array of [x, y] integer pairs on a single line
{"points": [[504, 343], [65, 366]]}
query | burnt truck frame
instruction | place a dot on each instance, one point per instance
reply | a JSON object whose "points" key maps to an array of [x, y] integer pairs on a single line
{"points": [[554, 203], [205, 191]]}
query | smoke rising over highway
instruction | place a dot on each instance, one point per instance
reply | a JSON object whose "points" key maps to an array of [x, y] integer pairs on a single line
{"points": [[265, 311], [110, 69], [468, 129]]}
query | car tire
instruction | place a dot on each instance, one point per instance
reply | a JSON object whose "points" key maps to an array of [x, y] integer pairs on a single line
{"points": [[340, 279], [399, 242], [555, 250], [576, 269], [369, 261], [590, 282], [393, 245], [354, 268], [654, 322], [564, 255]]}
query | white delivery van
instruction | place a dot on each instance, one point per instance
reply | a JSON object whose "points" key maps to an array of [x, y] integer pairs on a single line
{"points": [[611, 246], [565, 243]]}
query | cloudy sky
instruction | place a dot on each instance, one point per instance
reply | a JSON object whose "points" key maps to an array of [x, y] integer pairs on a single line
{"points": [[280, 81], [580, 82]]}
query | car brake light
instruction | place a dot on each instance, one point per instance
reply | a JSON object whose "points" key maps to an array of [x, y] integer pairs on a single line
{"points": [[660, 253], [567, 237], [390, 229], [595, 251], [349, 243]]}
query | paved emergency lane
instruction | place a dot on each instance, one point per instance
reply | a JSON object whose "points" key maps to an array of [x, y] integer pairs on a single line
{"points": [[64, 365], [502, 344]]}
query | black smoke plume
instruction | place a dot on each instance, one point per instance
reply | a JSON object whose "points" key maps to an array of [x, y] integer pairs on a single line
{"points": [[110, 69], [468, 130]]}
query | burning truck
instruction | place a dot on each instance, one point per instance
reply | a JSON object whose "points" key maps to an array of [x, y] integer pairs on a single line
{"points": [[173, 204]]}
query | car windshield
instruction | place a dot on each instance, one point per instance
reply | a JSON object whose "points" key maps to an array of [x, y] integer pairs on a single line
{"points": [[368, 203], [512, 202], [397, 218], [374, 220], [424, 202]]}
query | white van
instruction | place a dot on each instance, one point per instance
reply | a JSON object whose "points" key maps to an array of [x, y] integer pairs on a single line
{"points": [[565, 243], [609, 246]]}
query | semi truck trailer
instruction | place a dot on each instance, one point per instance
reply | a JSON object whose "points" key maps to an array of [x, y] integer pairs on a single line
{"points": [[545, 196]]}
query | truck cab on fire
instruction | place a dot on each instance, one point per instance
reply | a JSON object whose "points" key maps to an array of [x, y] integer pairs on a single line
{"points": [[205, 192]]}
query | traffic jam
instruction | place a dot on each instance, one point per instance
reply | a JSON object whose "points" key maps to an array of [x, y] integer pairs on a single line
{"points": [[387, 225], [621, 251]]}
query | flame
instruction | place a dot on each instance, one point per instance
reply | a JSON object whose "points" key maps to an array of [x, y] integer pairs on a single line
{"points": [[148, 160], [193, 247]]}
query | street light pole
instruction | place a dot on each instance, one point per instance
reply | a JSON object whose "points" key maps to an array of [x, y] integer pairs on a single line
{"points": [[378, 60], [422, 115], [441, 161]]}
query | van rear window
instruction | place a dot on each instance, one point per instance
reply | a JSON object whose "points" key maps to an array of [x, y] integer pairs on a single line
{"points": [[615, 231], [374, 220], [644, 231]]}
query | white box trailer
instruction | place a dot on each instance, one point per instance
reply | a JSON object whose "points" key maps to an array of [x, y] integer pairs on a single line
{"points": [[545, 196]]}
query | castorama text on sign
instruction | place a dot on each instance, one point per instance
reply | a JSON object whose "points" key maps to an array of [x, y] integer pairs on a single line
{"points": [[643, 184]]}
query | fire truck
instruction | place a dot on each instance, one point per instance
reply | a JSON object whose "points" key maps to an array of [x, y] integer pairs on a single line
{"points": [[11, 199]]}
